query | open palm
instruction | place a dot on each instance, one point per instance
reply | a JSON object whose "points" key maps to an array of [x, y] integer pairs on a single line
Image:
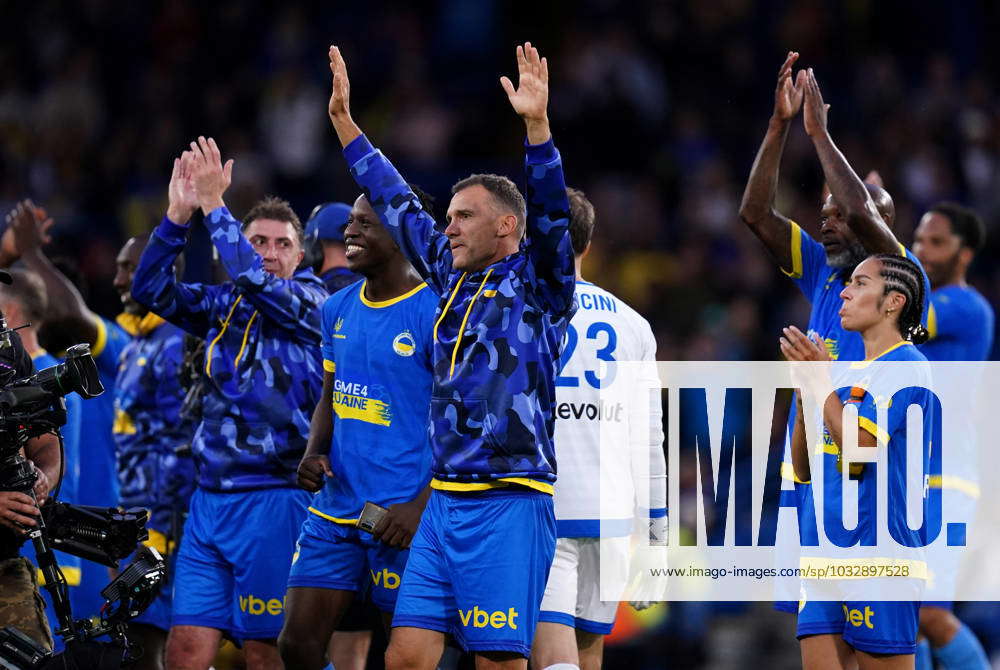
{"points": [[531, 97]]}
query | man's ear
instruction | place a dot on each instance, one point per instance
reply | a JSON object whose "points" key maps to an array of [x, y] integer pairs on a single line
{"points": [[965, 255], [507, 226]]}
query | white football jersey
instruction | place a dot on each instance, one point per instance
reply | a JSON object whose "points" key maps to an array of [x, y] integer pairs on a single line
{"points": [[605, 331]]}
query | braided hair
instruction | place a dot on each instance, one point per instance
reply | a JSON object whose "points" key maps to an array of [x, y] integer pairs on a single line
{"points": [[904, 276]]}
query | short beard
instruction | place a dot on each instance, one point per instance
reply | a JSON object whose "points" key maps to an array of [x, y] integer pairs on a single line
{"points": [[849, 258], [945, 273]]}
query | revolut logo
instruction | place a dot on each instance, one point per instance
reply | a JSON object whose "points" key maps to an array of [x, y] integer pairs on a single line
{"points": [[255, 606], [478, 618], [590, 411]]}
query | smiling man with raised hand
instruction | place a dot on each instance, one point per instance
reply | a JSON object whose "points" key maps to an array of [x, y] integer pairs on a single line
{"points": [[506, 279], [368, 441], [263, 372]]}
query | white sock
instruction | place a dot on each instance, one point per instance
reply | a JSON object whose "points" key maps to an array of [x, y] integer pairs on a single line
{"points": [[563, 666]]}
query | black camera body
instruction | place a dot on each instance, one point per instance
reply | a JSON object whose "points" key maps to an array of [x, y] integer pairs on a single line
{"points": [[32, 407]]}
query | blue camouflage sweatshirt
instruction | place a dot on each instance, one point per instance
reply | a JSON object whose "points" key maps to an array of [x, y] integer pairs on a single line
{"points": [[497, 331], [148, 427], [263, 363]]}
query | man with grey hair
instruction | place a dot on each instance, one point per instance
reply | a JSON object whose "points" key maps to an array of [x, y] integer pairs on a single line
{"points": [[504, 276]]}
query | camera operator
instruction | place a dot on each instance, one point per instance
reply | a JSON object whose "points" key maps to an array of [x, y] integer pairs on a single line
{"points": [[21, 605], [67, 313], [23, 304]]}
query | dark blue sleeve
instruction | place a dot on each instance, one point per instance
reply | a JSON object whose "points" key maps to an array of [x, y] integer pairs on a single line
{"points": [[399, 210], [188, 306], [547, 240], [288, 303]]}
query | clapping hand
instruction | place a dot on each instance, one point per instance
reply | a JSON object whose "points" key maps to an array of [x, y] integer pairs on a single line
{"points": [[814, 109], [210, 177], [797, 347], [788, 93], [182, 196]]}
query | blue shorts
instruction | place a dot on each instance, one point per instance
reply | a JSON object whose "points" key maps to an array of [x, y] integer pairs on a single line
{"points": [[332, 555], [478, 567], [871, 626], [232, 566]]}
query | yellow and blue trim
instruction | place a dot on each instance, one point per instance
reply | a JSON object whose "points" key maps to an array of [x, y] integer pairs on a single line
{"points": [[465, 319], [860, 365], [334, 519], [503, 482], [796, 249], [222, 331], [102, 337], [137, 326], [380, 304]]}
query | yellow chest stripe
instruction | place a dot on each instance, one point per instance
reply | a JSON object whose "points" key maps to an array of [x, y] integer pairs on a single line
{"points": [[222, 331], [461, 329]]}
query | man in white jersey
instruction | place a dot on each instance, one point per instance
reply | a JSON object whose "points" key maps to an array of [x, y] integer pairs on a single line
{"points": [[573, 620]]}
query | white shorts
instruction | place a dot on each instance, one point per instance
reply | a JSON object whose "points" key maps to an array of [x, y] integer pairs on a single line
{"points": [[573, 592]]}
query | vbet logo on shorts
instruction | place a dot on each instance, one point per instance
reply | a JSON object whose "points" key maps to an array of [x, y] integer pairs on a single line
{"points": [[858, 618], [251, 604], [916, 517], [480, 618], [385, 578]]}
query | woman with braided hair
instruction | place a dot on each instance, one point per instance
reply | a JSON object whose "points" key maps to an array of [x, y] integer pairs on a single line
{"points": [[863, 623]]}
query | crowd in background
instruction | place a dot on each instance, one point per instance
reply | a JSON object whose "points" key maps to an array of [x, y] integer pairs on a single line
{"points": [[657, 107]]}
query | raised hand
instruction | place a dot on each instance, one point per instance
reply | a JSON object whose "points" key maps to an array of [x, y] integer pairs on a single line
{"points": [[340, 95], [210, 177], [27, 230], [182, 196], [531, 97], [814, 109], [788, 93], [339, 107]]}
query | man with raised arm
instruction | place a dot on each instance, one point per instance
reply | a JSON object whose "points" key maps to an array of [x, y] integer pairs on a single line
{"points": [[505, 277], [263, 371], [855, 221], [367, 443]]}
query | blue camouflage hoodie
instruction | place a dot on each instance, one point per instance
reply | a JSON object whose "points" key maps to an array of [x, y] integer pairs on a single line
{"points": [[497, 331], [263, 363], [148, 426]]}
